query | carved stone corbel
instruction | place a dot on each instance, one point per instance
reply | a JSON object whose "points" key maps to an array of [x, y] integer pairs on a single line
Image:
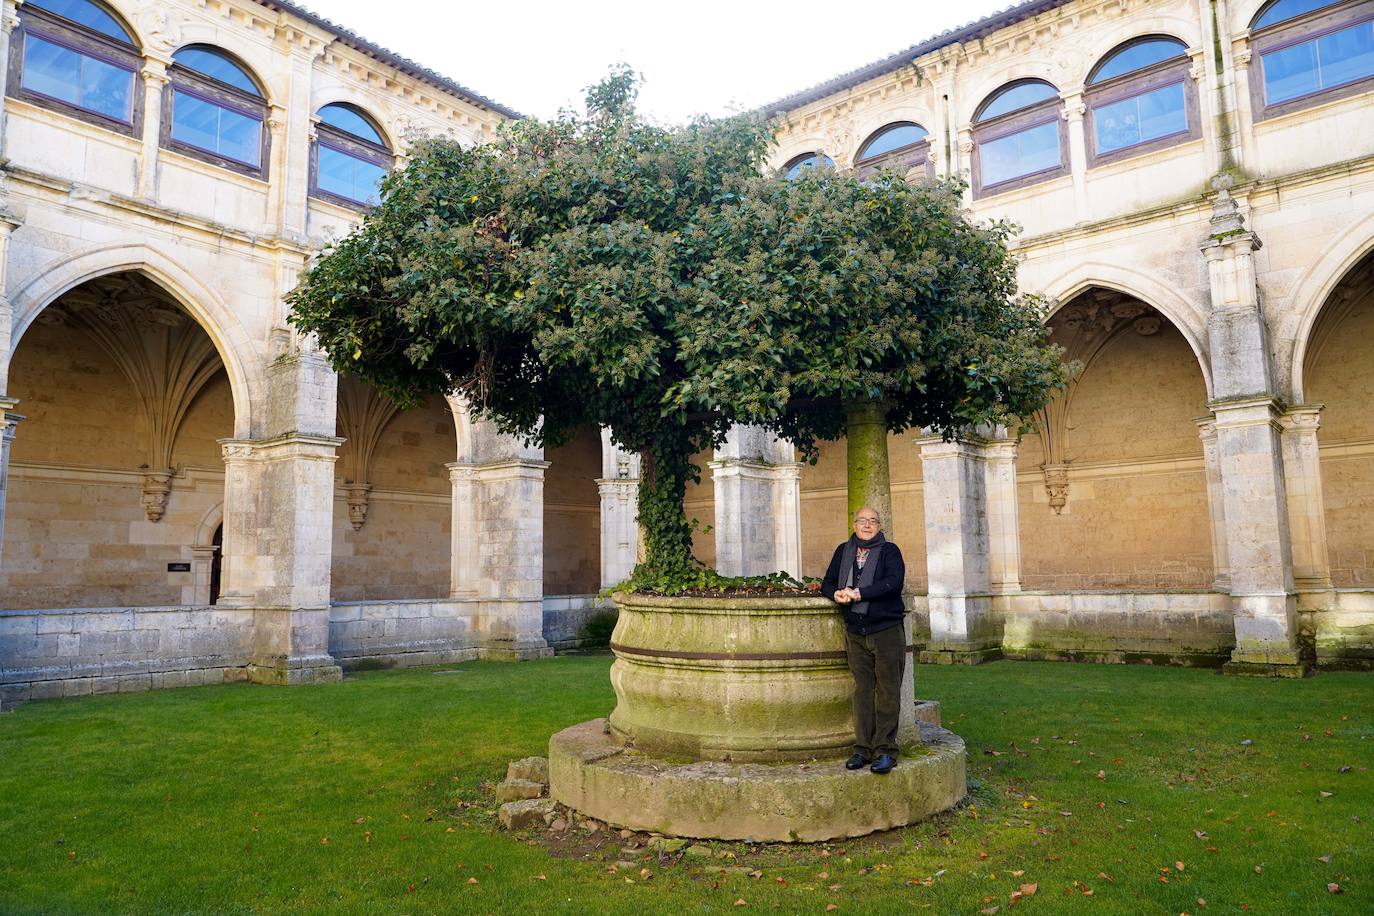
{"points": [[1057, 486], [157, 489], [357, 503]]}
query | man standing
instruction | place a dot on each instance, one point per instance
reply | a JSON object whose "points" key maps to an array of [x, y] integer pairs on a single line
{"points": [[865, 578]]}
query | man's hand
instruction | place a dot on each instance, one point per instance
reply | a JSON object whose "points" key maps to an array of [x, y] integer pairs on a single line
{"points": [[842, 596]]}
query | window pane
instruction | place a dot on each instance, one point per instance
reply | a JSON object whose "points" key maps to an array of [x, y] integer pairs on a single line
{"points": [[216, 129], [52, 69], [194, 121], [86, 13], [1290, 72], [79, 79], [240, 136], [1157, 113], [1347, 55], [216, 66], [335, 172], [891, 138], [105, 88], [1015, 98], [367, 179], [1023, 153], [1138, 56], [349, 121], [808, 161], [1288, 9]]}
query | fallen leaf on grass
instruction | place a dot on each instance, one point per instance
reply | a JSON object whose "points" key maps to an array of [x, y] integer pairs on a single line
{"points": [[324, 841], [1333, 888], [1200, 834], [1178, 865], [830, 907], [988, 910], [1259, 869], [1202, 901], [982, 853], [1325, 794], [540, 878], [741, 902], [1324, 859], [1027, 890], [1018, 873], [472, 881], [1101, 774]]}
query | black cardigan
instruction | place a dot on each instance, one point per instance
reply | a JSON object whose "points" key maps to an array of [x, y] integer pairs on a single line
{"points": [[885, 605]]}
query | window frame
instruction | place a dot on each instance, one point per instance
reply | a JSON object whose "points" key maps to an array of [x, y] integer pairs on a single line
{"points": [[1299, 30], [917, 154], [73, 36], [1051, 110], [1138, 82], [207, 89], [349, 144], [822, 160]]}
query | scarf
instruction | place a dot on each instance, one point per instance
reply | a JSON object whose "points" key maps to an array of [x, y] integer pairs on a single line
{"points": [[867, 570]]}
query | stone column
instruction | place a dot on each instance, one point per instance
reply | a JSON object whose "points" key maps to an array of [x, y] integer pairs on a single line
{"points": [[278, 529], [619, 489], [464, 540], [295, 135], [10, 421], [752, 488], [1216, 506], [510, 576], [1004, 514], [1254, 493], [959, 564], [154, 81], [1074, 109], [1306, 508]]}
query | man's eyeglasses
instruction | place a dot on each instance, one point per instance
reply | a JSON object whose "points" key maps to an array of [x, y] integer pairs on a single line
{"points": [[865, 521]]}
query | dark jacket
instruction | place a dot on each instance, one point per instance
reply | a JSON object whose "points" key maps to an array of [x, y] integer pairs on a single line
{"points": [[885, 605]]}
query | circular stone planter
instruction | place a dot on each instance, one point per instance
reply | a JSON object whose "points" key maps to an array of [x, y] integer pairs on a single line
{"points": [[731, 679], [732, 721], [592, 772]]}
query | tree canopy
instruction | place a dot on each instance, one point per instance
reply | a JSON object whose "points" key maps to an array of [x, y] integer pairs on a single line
{"points": [[598, 270]]}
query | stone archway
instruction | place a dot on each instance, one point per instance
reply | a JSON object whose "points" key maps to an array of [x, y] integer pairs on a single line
{"points": [[1113, 484], [126, 396]]}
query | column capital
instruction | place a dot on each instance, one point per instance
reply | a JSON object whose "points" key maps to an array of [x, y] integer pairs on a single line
{"points": [[1246, 412], [1304, 418]]}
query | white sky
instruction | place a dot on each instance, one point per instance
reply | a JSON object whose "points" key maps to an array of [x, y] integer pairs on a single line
{"points": [[708, 56]]}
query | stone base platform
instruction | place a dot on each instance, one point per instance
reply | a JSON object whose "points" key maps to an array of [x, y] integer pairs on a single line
{"points": [[592, 773]]}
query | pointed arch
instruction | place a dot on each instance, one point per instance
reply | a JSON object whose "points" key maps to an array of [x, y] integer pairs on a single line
{"points": [[1184, 315], [241, 359], [1314, 288]]}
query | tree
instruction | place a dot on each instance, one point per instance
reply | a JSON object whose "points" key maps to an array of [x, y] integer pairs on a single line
{"points": [[548, 277], [600, 270], [863, 307]]}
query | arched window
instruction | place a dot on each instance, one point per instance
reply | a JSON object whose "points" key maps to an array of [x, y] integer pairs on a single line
{"points": [[796, 164], [1140, 98], [1310, 52], [1018, 137], [215, 111], [76, 57], [350, 158], [902, 145]]}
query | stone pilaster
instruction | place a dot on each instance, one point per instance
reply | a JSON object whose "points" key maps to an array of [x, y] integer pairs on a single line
{"points": [[510, 575], [619, 489], [10, 421], [154, 83], [1004, 516], [959, 562], [1306, 508], [278, 523], [754, 477], [463, 546], [1074, 110], [1249, 452], [1216, 504]]}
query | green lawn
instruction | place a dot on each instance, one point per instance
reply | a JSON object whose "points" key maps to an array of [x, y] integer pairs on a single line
{"points": [[346, 797]]}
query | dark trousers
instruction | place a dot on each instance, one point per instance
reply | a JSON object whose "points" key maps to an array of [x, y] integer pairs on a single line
{"points": [[876, 663]]}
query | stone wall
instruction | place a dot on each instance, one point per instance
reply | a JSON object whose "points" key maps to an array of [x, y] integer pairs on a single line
{"points": [[106, 650], [578, 621], [1176, 627], [572, 516], [387, 634]]}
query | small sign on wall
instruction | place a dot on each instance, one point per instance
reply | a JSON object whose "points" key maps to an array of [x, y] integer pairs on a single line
{"points": [[178, 567]]}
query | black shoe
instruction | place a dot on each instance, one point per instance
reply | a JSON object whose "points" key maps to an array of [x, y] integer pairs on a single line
{"points": [[883, 764], [857, 762]]}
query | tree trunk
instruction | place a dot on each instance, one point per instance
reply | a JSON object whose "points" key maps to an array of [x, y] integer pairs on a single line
{"points": [[869, 483]]}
